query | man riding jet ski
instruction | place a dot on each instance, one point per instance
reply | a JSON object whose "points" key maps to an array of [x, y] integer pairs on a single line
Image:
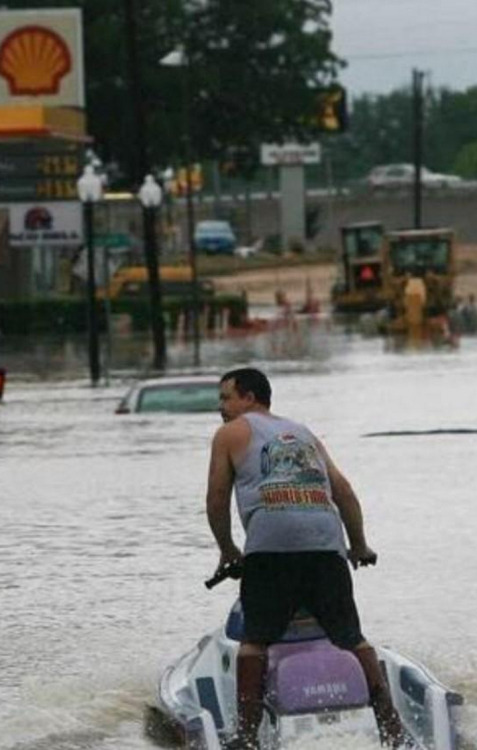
{"points": [[293, 502], [239, 686]]}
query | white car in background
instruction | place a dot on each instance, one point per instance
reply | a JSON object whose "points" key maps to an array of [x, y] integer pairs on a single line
{"points": [[402, 175]]}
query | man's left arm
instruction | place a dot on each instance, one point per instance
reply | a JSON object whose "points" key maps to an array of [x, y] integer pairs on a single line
{"points": [[219, 494], [350, 511]]}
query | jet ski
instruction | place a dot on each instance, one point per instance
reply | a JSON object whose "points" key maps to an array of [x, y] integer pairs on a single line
{"points": [[313, 690]]}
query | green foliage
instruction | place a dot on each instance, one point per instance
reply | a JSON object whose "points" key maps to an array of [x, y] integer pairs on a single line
{"points": [[465, 163], [254, 66], [69, 316], [43, 317], [381, 132]]}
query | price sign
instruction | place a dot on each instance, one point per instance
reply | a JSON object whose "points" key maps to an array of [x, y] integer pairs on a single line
{"points": [[29, 171]]}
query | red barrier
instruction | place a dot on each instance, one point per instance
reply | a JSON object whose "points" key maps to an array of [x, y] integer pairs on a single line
{"points": [[3, 378]]}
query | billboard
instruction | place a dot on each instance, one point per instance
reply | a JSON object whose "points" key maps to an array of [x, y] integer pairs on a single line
{"points": [[41, 58], [45, 224]]}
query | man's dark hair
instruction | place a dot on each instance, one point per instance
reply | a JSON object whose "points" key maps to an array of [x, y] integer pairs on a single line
{"points": [[250, 380]]}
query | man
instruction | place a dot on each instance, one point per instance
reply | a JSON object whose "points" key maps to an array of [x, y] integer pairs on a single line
{"points": [[293, 502]]}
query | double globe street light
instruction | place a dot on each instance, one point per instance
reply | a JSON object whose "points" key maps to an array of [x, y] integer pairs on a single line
{"points": [[90, 191]]}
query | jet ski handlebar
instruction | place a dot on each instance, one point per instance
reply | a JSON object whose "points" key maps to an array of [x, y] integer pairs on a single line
{"points": [[229, 570], [363, 561], [234, 569]]}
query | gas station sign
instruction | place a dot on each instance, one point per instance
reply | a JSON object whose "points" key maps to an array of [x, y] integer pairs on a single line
{"points": [[45, 169]]}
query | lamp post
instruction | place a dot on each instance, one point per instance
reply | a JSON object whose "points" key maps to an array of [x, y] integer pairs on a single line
{"points": [[179, 58], [150, 196], [90, 191], [167, 178]]}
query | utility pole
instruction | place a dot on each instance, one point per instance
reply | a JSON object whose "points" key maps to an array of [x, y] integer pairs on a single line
{"points": [[180, 58], [418, 111], [187, 150], [139, 165]]}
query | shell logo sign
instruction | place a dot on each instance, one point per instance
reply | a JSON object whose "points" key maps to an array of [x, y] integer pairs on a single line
{"points": [[41, 58], [34, 60]]}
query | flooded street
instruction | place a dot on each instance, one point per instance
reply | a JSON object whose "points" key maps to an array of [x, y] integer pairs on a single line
{"points": [[104, 543]]}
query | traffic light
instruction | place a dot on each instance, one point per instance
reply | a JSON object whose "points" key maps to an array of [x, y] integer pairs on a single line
{"points": [[240, 161], [332, 112], [179, 183]]}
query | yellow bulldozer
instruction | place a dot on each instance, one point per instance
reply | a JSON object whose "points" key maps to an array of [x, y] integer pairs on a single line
{"points": [[132, 282], [407, 273], [418, 279]]}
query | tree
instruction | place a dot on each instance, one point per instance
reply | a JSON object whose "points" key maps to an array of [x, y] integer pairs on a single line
{"points": [[254, 67], [380, 132], [465, 163]]}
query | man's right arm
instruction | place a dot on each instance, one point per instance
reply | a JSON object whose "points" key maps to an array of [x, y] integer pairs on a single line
{"points": [[219, 492]]}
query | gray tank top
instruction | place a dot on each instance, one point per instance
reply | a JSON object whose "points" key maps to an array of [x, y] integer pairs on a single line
{"points": [[283, 492]]}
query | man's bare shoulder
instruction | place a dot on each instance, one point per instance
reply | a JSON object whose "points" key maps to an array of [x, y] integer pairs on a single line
{"points": [[232, 430], [233, 436]]}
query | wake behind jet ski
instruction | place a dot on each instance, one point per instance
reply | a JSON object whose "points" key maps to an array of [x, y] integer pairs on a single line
{"points": [[313, 690]]}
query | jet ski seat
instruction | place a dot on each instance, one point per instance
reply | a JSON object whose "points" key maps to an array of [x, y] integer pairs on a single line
{"points": [[303, 627], [306, 673]]}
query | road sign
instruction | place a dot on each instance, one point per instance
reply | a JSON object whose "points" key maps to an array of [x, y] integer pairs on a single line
{"points": [[113, 241], [289, 154]]}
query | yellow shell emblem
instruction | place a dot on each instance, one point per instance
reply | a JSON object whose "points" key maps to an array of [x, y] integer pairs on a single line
{"points": [[34, 59]]}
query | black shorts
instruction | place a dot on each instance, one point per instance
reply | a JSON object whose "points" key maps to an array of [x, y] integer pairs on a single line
{"points": [[276, 584]]}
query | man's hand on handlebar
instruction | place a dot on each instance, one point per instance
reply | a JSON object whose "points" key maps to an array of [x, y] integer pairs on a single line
{"points": [[231, 554], [230, 566], [232, 569], [362, 556]]}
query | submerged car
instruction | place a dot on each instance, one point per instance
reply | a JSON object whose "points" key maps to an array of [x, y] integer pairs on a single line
{"points": [[215, 237], [179, 395]]}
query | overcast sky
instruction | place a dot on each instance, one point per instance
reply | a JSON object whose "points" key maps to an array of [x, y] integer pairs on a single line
{"points": [[383, 40]]}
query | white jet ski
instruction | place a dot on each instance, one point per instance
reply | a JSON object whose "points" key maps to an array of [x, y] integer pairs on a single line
{"points": [[313, 690]]}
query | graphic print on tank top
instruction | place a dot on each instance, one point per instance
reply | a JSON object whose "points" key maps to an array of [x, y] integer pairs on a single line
{"points": [[293, 475]]}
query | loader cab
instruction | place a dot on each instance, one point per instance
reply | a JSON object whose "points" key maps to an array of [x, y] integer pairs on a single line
{"points": [[362, 255], [417, 252], [360, 283]]}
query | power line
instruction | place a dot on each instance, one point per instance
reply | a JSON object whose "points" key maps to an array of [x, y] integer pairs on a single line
{"points": [[390, 55]]}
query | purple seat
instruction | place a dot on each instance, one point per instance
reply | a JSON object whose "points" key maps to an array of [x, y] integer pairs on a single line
{"points": [[313, 676], [301, 628]]}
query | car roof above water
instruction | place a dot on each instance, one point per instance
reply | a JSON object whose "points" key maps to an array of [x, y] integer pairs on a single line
{"points": [[191, 393]]}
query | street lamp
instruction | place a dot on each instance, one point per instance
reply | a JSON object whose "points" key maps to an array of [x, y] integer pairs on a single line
{"points": [[90, 191], [179, 59], [150, 195]]}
